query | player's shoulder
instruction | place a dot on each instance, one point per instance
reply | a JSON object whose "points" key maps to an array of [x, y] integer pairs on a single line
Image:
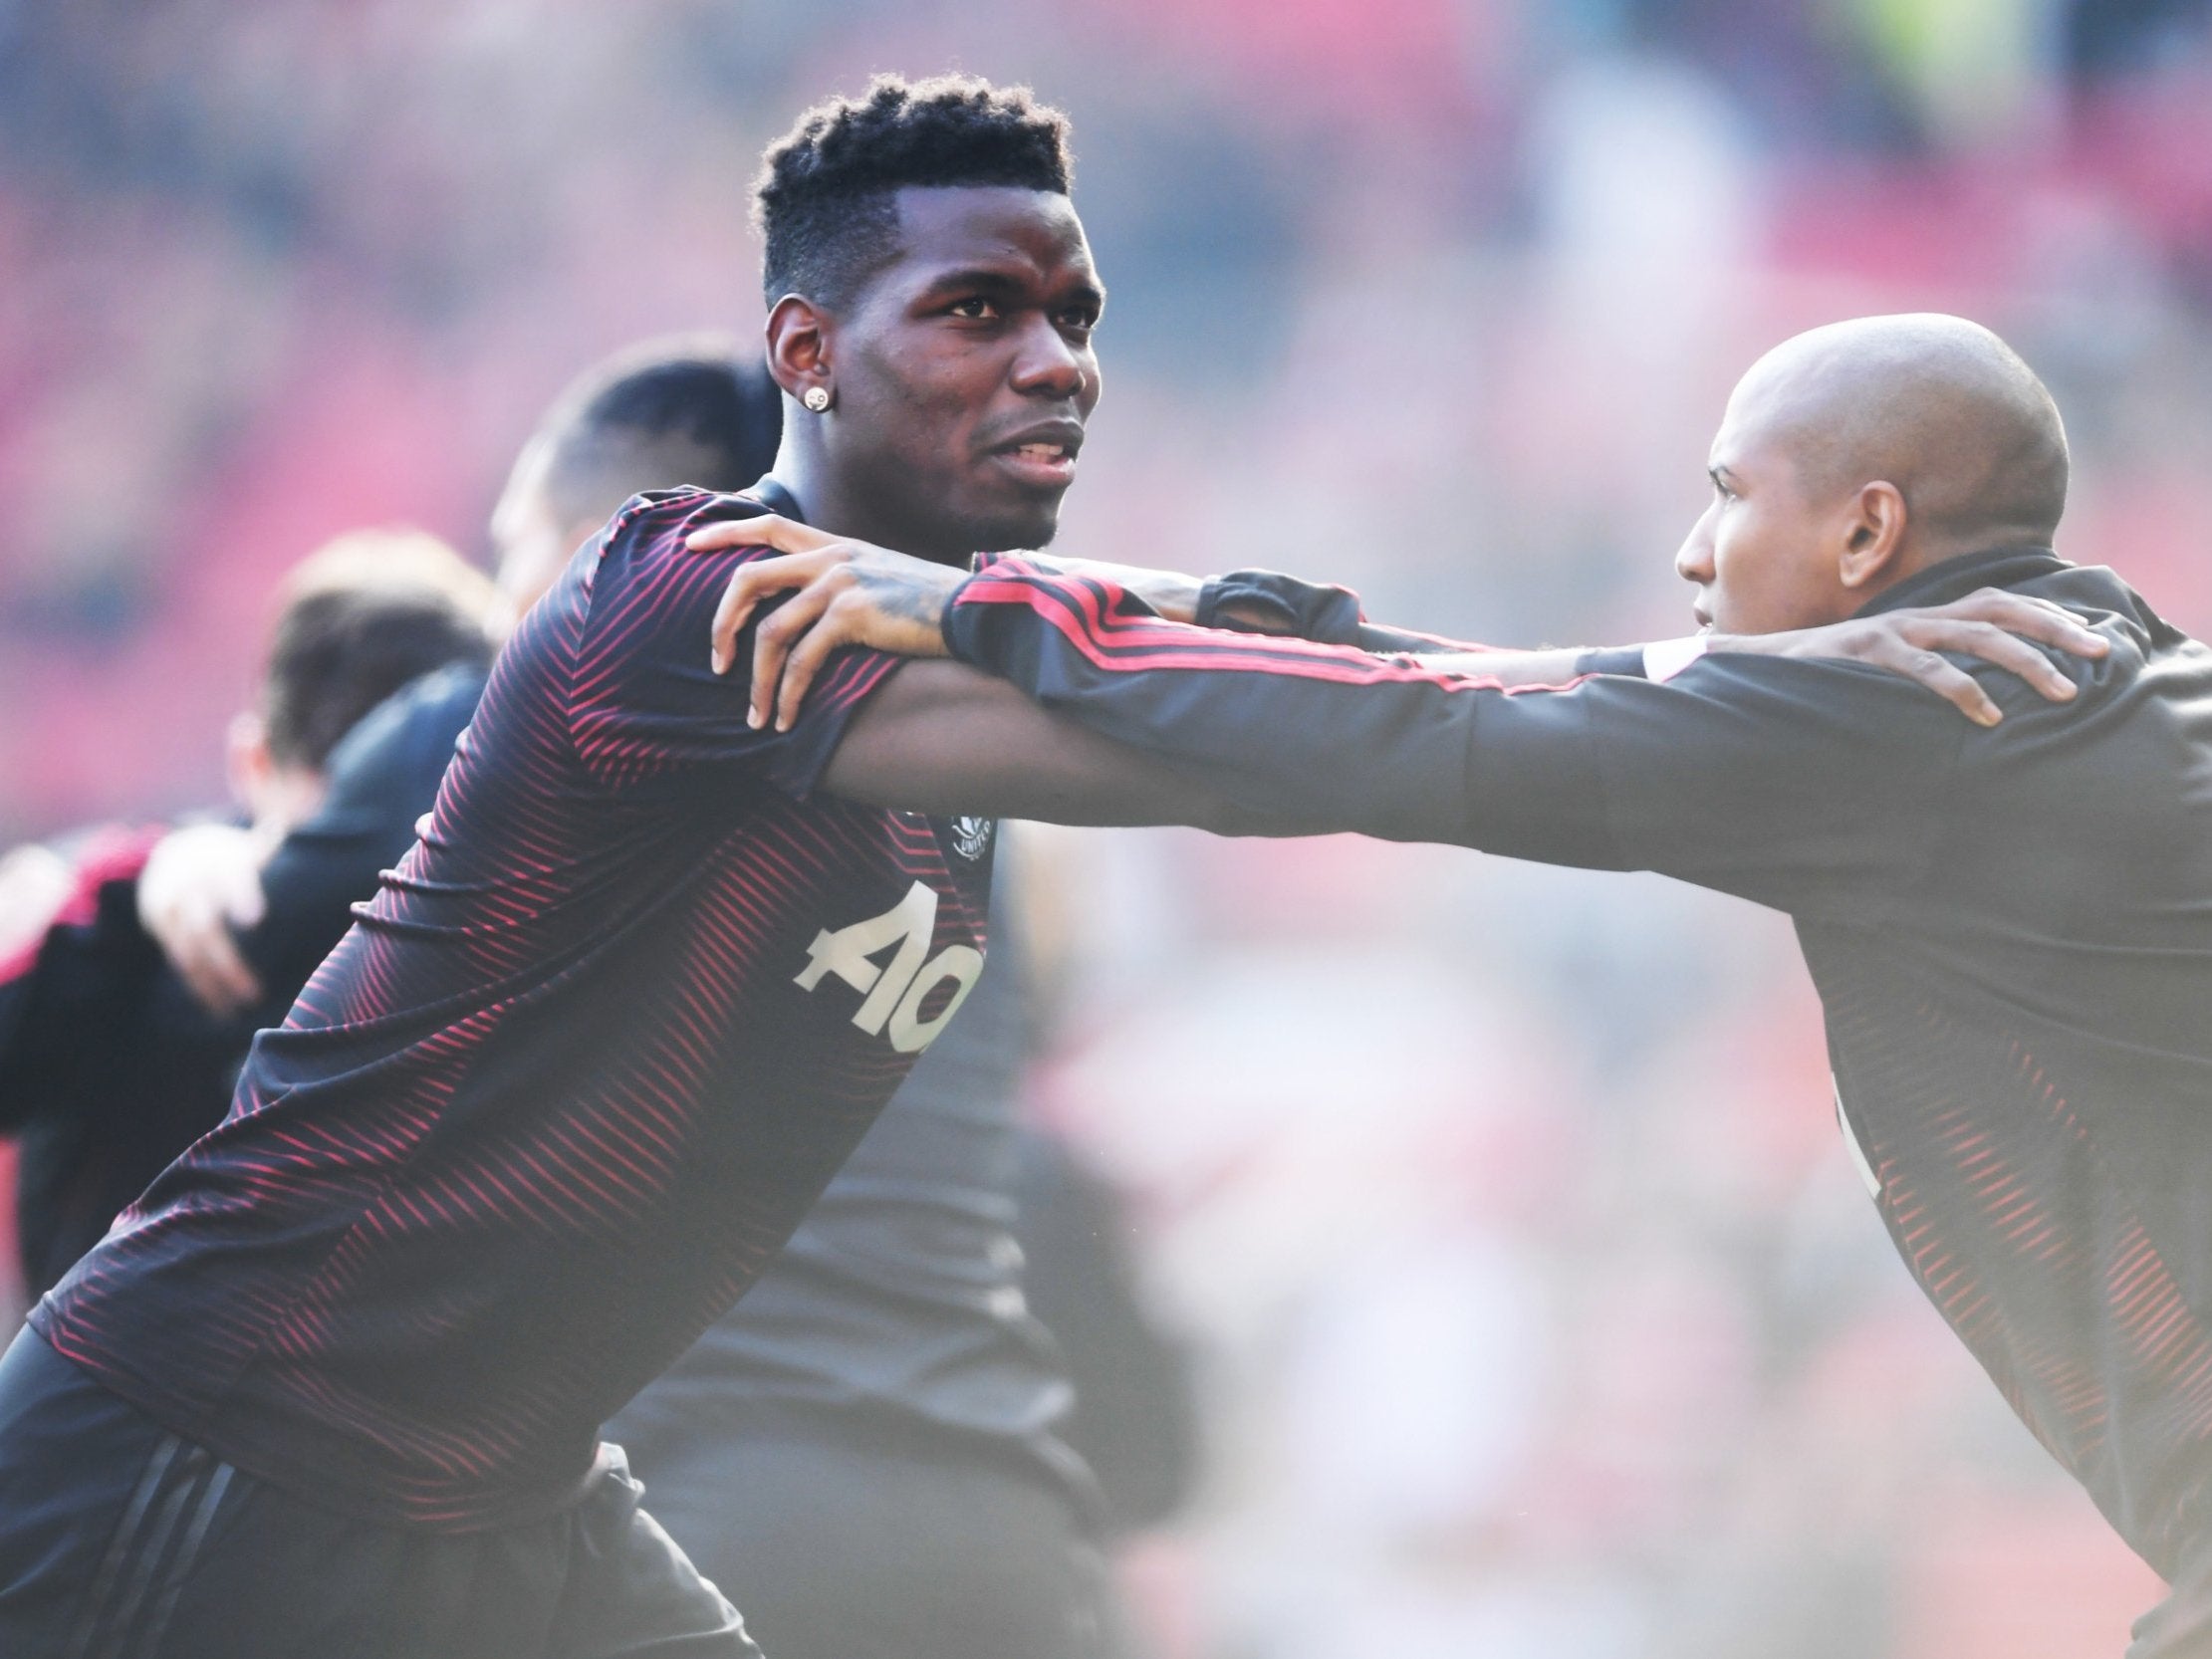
{"points": [[654, 523], [2102, 601], [2135, 635], [1825, 718]]}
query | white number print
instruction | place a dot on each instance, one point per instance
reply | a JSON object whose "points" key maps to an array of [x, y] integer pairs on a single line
{"points": [[892, 995]]}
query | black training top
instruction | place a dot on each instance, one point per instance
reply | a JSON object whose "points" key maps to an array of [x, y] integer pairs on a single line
{"points": [[902, 1289], [901, 1295], [2010, 929], [565, 1086]]}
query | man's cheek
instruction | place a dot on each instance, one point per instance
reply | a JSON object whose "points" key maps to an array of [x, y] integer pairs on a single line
{"points": [[1744, 601]]}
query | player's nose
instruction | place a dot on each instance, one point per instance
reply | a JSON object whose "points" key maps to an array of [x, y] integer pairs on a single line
{"points": [[1046, 366], [1693, 560]]}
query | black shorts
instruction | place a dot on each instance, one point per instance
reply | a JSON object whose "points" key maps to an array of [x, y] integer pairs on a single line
{"points": [[119, 1540], [850, 1534]]}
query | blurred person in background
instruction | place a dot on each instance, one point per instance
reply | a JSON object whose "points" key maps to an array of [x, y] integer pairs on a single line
{"points": [[1134, 1418], [683, 407], [108, 1066], [243, 914], [2008, 932]]}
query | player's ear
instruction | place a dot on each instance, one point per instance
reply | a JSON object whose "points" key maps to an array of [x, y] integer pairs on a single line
{"points": [[247, 759], [799, 345], [1874, 534]]}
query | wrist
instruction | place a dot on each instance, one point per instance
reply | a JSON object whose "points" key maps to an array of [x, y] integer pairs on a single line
{"points": [[1267, 601], [1658, 661], [1173, 594], [1170, 593], [947, 632]]}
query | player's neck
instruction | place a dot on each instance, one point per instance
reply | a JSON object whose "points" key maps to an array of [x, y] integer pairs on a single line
{"points": [[830, 503]]}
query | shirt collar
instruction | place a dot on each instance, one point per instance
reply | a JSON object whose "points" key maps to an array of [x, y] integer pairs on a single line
{"points": [[772, 495], [1954, 578]]}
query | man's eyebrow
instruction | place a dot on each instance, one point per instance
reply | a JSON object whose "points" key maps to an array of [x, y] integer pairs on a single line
{"points": [[976, 277], [985, 279]]}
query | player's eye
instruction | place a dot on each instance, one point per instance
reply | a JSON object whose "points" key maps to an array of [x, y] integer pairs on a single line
{"points": [[975, 307], [1079, 318]]}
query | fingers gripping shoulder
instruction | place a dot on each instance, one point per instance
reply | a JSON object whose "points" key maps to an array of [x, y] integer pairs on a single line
{"points": [[657, 522], [644, 697]]}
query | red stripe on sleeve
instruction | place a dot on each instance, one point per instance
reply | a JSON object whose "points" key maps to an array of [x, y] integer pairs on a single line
{"points": [[1097, 618]]}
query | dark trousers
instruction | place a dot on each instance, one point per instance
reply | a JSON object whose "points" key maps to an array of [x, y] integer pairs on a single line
{"points": [[119, 1540], [850, 1535]]}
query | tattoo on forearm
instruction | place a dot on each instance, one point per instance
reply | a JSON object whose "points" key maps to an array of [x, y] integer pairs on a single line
{"points": [[904, 597]]}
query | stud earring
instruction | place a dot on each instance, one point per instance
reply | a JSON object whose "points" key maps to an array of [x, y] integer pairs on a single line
{"points": [[815, 399]]}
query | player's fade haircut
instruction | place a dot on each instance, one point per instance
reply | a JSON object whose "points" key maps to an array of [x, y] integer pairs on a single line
{"points": [[823, 201], [359, 619], [686, 409]]}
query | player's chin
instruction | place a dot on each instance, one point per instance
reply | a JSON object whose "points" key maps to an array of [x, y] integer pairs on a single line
{"points": [[1008, 523]]}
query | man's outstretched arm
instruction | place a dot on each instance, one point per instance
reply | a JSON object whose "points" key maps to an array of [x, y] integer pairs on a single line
{"points": [[1790, 783], [1805, 786], [943, 738], [1997, 626], [845, 591]]}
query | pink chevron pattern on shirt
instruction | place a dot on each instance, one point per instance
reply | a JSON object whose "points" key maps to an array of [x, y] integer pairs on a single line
{"points": [[558, 1097]]}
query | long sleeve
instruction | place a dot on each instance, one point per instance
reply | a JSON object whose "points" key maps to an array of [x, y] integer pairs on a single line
{"points": [[1799, 785]]}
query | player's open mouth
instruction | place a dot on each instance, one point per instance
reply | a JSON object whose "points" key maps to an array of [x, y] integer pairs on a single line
{"points": [[1046, 458], [1040, 463]]}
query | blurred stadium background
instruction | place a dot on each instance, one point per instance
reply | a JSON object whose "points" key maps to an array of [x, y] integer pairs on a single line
{"points": [[1537, 1307]]}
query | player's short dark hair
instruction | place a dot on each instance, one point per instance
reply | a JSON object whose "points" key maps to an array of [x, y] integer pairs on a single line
{"points": [[824, 200], [691, 409], [359, 620]]}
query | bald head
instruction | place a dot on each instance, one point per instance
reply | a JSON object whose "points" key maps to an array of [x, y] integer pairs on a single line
{"points": [[1857, 455], [1936, 405]]}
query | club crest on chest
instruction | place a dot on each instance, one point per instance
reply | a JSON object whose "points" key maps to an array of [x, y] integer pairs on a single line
{"points": [[971, 837]]}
